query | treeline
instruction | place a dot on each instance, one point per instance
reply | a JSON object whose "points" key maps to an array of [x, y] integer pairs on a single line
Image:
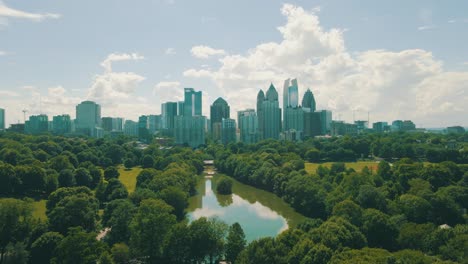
{"points": [[404, 211], [97, 220]]}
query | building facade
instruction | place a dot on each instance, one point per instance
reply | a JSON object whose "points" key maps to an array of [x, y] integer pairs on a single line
{"points": [[37, 124], [248, 123], [2, 119], [218, 110], [270, 114], [61, 124], [88, 117]]}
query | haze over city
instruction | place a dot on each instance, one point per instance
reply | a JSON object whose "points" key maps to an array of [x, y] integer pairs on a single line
{"points": [[394, 62]]}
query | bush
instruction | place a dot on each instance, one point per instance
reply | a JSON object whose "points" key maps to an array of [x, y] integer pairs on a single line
{"points": [[224, 186]]}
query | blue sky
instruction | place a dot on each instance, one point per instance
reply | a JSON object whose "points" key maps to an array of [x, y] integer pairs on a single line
{"points": [[394, 59]]}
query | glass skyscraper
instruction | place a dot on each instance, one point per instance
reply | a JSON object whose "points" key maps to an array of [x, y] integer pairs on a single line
{"points": [[308, 101], [2, 119], [248, 124], [61, 124], [270, 114], [88, 117], [192, 102], [218, 110]]}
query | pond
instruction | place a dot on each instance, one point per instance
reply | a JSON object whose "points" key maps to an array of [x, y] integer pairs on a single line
{"points": [[260, 213]]}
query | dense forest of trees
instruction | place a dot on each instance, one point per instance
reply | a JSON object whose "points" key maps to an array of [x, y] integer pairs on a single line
{"points": [[406, 212]]}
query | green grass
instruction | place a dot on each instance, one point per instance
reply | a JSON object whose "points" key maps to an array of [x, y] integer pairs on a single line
{"points": [[129, 177], [39, 209], [357, 166]]}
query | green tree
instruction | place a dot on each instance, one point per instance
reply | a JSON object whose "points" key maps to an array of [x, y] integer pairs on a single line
{"points": [[79, 247], [66, 178], [147, 162], [207, 237], [9, 183], [379, 230], [235, 242], [415, 208], [83, 178], [111, 173], [119, 214], [43, 249], [176, 198], [120, 253], [224, 186], [150, 228], [15, 224]]}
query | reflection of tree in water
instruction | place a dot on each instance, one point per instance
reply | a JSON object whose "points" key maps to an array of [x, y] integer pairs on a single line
{"points": [[224, 200]]}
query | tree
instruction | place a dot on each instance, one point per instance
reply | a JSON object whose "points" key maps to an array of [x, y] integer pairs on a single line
{"points": [[415, 208], [207, 237], [119, 214], [224, 186], [15, 223], [147, 162], [72, 211], [66, 178], [83, 178], [120, 253], [33, 178], [350, 211], [150, 228], [371, 197], [114, 190], [111, 173], [177, 246], [378, 229], [79, 247], [9, 183], [43, 249], [176, 198], [235, 242]]}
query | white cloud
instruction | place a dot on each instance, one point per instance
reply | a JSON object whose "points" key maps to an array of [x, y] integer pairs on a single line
{"points": [[170, 51], [426, 27], [390, 85], [107, 63], [204, 52], [168, 91], [8, 12], [9, 93]]}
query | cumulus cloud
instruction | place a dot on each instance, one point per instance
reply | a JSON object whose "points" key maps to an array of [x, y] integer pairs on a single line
{"points": [[204, 52], [107, 63], [8, 12], [390, 85], [168, 91]]}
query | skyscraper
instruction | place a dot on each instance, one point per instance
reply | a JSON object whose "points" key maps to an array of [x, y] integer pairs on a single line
{"points": [[228, 130], [290, 94], [37, 124], [260, 100], [293, 115], [168, 112], [88, 117], [154, 123], [219, 110], [271, 114], [325, 120], [308, 101], [2, 119], [248, 124], [61, 124], [192, 102], [131, 128]]}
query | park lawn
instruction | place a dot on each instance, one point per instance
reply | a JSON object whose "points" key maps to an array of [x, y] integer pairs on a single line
{"points": [[129, 177], [357, 166], [39, 209]]}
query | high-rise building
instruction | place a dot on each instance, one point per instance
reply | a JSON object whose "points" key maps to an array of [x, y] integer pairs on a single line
{"points": [[325, 119], [293, 115], [107, 124], [312, 124], [2, 119], [361, 126], [143, 128], [380, 127], [249, 132], [270, 114], [169, 112], [37, 124], [190, 130], [131, 128], [192, 102], [112, 124], [219, 110], [308, 101], [228, 131], [290, 93], [154, 123], [88, 117], [340, 128], [261, 122], [61, 124]]}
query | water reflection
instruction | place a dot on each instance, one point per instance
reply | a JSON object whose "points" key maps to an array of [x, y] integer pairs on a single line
{"points": [[256, 219]]}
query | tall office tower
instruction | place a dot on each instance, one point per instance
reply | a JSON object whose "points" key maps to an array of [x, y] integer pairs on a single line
{"points": [[312, 124], [290, 94], [88, 117], [271, 114], [2, 119], [228, 131], [260, 115], [192, 102], [308, 101], [180, 108], [154, 123], [248, 120], [37, 124], [143, 128], [107, 124], [380, 127], [190, 130], [131, 128], [61, 124], [169, 112], [293, 115], [325, 120], [219, 110]]}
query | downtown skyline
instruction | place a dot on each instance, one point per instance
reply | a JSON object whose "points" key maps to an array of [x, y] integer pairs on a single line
{"points": [[408, 79]]}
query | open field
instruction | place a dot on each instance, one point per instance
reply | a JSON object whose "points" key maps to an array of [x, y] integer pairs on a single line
{"points": [[129, 177], [357, 166], [39, 209]]}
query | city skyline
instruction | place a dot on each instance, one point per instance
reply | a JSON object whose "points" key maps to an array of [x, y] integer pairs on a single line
{"points": [[414, 69]]}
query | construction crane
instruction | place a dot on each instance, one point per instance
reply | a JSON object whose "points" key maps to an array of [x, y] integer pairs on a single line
{"points": [[24, 115]]}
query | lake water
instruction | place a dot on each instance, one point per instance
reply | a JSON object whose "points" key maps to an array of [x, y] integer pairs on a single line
{"points": [[260, 213]]}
